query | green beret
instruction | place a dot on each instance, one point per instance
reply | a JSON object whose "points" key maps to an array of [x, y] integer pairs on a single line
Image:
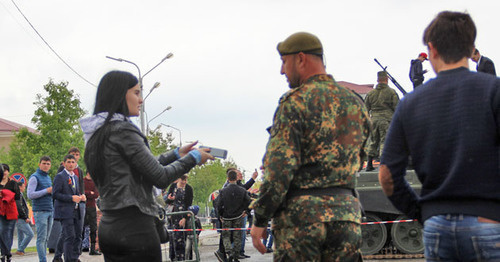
{"points": [[300, 42], [382, 75]]}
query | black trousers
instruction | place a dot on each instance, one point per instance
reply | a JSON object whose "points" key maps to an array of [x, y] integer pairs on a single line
{"points": [[91, 221], [129, 235]]}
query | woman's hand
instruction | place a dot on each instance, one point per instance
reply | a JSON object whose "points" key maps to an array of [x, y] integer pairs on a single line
{"points": [[171, 197], [185, 149], [205, 155]]}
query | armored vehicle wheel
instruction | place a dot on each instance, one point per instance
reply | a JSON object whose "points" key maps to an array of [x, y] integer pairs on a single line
{"points": [[407, 237], [374, 236]]}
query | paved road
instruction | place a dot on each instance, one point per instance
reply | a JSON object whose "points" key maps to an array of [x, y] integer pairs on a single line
{"points": [[209, 244]]}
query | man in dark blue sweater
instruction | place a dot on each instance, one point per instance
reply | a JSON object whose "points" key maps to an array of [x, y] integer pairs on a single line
{"points": [[450, 127]]}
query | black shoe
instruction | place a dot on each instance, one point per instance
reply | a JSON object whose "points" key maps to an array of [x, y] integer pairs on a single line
{"points": [[95, 253], [220, 256], [85, 249], [57, 260], [269, 250], [243, 256], [51, 250]]}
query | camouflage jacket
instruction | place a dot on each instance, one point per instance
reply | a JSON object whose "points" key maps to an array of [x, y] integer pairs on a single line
{"points": [[316, 137], [381, 102]]}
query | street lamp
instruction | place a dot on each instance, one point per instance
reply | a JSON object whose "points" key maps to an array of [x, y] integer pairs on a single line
{"points": [[180, 139], [169, 55], [156, 85], [164, 110]]}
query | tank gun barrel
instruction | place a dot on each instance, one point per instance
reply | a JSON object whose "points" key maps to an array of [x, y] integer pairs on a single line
{"points": [[393, 80]]}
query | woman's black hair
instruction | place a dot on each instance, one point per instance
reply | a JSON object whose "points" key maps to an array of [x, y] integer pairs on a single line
{"points": [[112, 91], [5, 167], [110, 98]]}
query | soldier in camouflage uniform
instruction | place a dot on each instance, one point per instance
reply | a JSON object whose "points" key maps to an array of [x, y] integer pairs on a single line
{"points": [[381, 103], [310, 162]]}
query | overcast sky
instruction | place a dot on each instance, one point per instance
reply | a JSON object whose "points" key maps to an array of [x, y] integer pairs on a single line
{"points": [[224, 81]]}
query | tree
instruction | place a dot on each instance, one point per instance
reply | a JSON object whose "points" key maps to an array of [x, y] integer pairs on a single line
{"points": [[56, 120], [160, 143]]}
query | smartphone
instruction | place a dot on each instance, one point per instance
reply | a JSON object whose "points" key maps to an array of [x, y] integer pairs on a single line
{"points": [[217, 152]]}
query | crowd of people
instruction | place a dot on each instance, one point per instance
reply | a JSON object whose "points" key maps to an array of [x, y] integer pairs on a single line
{"points": [[61, 202], [448, 126]]}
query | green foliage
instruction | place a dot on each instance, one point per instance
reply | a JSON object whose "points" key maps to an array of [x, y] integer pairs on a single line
{"points": [[160, 143], [56, 120], [208, 178]]}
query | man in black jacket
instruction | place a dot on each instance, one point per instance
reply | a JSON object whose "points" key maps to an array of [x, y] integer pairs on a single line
{"points": [[231, 207], [484, 64]]}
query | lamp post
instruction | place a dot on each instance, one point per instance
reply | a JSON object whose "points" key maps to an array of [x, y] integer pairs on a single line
{"points": [[180, 139], [156, 85], [169, 55], [164, 110]]}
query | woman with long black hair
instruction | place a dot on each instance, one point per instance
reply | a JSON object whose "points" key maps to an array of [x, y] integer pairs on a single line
{"points": [[124, 171]]}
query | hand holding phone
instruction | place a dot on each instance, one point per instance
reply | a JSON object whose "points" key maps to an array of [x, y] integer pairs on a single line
{"points": [[216, 152]]}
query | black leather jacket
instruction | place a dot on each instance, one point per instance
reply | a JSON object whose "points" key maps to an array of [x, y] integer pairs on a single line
{"points": [[131, 170]]}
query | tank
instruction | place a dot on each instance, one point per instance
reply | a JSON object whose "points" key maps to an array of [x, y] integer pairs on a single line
{"points": [[387, 238]]}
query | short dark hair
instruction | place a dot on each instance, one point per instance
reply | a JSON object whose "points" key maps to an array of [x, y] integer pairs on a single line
{"points": [[184, 177], [232, 175], [5, 167], [452, 34], [45, 158], [74, 149], [69, 156], [476, 51], [230, 169]]}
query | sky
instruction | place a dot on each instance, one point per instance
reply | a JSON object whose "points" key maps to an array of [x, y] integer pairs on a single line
{"points": [[223, 82]]}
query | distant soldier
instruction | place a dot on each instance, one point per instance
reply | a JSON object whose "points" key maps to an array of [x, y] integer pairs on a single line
{"points": [[484, 64], [310, 162], [381, 103], [416, 71]]}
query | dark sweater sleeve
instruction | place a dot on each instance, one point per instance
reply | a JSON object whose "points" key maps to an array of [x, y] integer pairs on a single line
{"points": [[249, 184], [395, 157]]}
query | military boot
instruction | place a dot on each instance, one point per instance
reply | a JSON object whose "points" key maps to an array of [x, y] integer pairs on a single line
{"points": [[369, 164]]}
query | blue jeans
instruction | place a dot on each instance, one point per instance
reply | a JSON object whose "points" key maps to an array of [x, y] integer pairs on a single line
{"points": [[43, 223], [6, 235], [461, 238], [24, 234]]}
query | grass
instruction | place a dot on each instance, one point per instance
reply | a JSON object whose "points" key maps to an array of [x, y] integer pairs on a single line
{"points": [[26, 250]]}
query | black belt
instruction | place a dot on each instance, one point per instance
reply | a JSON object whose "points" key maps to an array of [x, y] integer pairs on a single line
{"points": [[328, 191]]}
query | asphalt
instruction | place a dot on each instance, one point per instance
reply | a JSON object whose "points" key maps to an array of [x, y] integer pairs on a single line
{"points": [[209, 243]]}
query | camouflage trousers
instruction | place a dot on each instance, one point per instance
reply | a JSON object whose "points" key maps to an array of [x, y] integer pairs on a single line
{"points": [[377, 137], [235, 235], [328, 241]]}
